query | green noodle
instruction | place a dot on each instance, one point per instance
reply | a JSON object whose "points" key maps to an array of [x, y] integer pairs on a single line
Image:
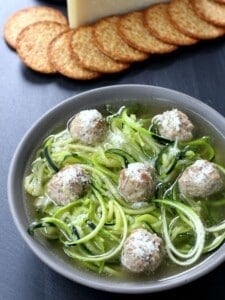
{"points": [[92, 229]]}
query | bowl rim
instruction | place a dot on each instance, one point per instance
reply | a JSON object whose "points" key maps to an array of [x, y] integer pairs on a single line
{"points": [[48, 258]]}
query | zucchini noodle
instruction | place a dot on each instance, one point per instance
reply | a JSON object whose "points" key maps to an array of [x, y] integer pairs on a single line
{"points": [[93, 228], [194, 253]]}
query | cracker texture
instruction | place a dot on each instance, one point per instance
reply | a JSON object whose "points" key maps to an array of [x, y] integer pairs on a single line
{"points": [[188, 22], [24, 17], [159, 24], [110, 42], [210, 11], [62, 58], [88, 54], [33, 43], [134, 32]]}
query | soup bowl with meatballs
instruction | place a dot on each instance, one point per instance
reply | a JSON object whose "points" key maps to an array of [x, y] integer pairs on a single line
{"points": [[122, 188]]}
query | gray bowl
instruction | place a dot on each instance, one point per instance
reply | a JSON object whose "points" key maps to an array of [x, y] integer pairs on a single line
{"points": [[158, 99]]}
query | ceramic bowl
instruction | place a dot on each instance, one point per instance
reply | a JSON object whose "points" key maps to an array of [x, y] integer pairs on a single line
{"points": [[158, 99]]}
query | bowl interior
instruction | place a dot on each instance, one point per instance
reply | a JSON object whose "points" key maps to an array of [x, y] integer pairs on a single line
{"points": [[157, 99]]}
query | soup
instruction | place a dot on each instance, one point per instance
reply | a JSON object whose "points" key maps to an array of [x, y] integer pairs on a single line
{"points": [[91, 230]]}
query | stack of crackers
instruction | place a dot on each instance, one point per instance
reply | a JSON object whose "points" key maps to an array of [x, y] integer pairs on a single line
{"points": [[45, 43]]}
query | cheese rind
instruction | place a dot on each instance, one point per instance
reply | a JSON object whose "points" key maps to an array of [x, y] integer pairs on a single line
{"points": [[82, 12]]}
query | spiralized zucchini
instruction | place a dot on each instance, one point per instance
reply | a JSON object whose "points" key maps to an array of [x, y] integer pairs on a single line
{"points": [[92, 229]]}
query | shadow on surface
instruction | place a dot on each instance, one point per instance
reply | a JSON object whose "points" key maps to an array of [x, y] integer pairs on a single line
{"points": [[58, 287]]}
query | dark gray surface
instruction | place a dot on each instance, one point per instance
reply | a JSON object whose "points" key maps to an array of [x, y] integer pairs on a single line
{"points": [[25, 95]]}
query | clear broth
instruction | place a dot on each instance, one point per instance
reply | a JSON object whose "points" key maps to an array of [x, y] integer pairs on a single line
{"points": [[167, 269]]}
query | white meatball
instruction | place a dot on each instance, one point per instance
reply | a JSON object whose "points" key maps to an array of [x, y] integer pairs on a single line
{"points": [[201, 179], [174, 125], [68, 184], [142, 252], [136, 183], [88, 127]]}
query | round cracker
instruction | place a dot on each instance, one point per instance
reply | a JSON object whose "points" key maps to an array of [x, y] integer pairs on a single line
{"points": [[220, 1], [24, 17], [158, 23], [131, 28], [210, 11], [82, 43], [188, 22], [33, 42], [61, 56], [109, 42]]}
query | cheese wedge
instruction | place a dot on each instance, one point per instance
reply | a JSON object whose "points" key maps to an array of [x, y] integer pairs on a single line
{"points": [[83, 12]]}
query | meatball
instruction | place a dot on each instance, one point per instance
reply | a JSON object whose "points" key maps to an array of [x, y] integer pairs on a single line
{"points": [[201, 179], [174, 125], [88, 127], [68, 184], [142, 252], [136, 183]]}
